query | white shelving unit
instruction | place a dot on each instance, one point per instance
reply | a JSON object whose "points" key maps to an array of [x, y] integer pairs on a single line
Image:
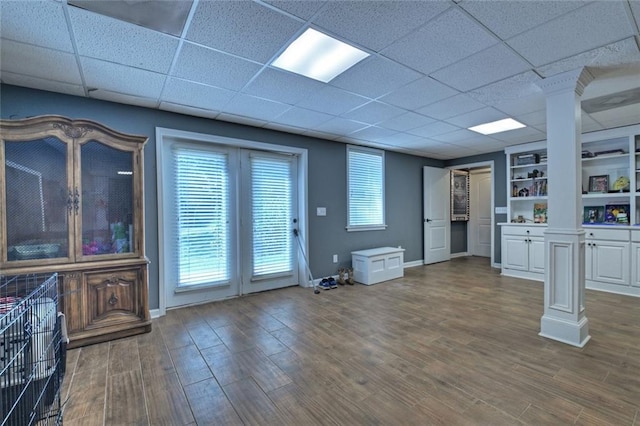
{"points": [[526, 183], [618, 157], [612, 240]]}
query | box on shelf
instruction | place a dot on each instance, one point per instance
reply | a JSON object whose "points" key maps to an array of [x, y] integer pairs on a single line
{"points": [[617, 213], [525, 159]]}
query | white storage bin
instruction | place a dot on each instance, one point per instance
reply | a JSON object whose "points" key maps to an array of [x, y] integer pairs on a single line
{"points": [[378, 264]]}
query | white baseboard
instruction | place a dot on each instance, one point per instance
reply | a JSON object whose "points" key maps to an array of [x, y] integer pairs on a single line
{"points": [[414, 263], [497, 265], [461, 254], [155, 313]]}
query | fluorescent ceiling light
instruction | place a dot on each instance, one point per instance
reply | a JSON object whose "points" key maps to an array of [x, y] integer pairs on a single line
{"points": [[497, 126], [318, 56]]}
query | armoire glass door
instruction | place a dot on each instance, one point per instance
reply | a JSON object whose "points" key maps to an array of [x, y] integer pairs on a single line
{"points": [[107, 198], [38, 199]]}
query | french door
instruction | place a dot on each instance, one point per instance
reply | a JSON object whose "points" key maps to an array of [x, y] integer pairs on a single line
{"points": [[232, 213], [269, 201]]}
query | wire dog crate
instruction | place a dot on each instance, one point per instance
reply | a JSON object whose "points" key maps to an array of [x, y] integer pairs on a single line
{"points": [[32, 350]]}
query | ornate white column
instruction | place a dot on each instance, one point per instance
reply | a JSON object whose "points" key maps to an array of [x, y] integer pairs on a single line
{"points": [[564, 316]]}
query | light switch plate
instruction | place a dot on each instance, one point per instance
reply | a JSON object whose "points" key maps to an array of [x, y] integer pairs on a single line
{"points": [[321, 211]]}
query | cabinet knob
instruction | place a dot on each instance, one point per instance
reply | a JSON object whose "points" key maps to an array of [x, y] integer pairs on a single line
{"points": [[113, 299]]}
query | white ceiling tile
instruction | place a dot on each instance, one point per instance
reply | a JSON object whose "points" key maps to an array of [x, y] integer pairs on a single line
{"points": [[302, 9], [187, 110], [284, 128], [587, 28], [433, 129], [451, 107], [374, 77], [183, 92], [376, 24], [617, 117], [121, 98], [109, 39], [120, 79], [508, 18], [513, 107], [373, 112], [243, 28], [340, 126], [443, 41], [488, 66], [35, 22], [618, 53], [320, 135], [479, 116], [419, 93], [407, 140], [589, 124], [303, 118], [536, 119], [282, 86], [232, 118], [34, 61], [461, 137], [373, 133], [406, 121], [525, 134], [42, 84], [444, 149], [213, 68], [332, 100], [261, 109], [635, 9], [510, 89]]}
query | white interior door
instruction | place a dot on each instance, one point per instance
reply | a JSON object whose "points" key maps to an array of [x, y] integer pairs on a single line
{"points": [[436, 211], [480, 226]]}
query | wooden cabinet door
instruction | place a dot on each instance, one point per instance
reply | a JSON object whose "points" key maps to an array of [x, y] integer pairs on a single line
{"points": [[114, 297]]}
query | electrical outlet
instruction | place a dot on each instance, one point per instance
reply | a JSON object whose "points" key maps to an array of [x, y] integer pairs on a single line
{"points": [[335, 258]]}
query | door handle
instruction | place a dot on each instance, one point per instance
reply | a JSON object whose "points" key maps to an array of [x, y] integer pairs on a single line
{"points": [[428, 220]]}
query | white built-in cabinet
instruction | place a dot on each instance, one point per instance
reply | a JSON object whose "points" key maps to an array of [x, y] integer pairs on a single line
{"points": [[523, 251], [612, 241], [607, 257]]}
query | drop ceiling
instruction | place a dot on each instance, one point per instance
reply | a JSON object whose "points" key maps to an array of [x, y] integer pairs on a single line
{"points": [[435, 67]]}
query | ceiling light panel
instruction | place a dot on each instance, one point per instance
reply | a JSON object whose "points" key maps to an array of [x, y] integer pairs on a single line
{"points": [[318, 56], [497, 126]]}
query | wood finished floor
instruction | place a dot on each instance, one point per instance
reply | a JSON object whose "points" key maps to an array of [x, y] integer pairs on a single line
{"points": [[452, 343]]}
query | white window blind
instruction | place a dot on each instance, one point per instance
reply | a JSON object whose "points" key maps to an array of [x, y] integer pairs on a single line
{"points": [[272, 216], [202, 223], [365, 169]]}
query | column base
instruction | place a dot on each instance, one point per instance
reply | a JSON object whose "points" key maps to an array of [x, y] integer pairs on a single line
{"points": [[569, 332]]}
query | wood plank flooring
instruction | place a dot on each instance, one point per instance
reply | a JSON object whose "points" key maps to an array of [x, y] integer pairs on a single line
{"points": [[448, 344]]}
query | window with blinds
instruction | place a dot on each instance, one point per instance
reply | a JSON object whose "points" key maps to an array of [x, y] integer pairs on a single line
{"points": [[272, 215], [202, 222], [365, 193]]}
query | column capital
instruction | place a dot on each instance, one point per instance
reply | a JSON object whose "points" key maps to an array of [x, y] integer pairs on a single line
{"points": [[575, 80]]}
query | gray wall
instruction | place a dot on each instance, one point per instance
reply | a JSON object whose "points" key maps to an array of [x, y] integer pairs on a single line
{"points": [[499, 194], [458, 237], [326, 184]]}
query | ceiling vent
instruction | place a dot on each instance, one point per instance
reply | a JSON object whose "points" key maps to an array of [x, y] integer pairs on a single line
{"points": [[167, 16], [614, 100]]}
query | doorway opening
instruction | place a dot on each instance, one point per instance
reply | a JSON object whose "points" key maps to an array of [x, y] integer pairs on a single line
{"points": [[476, 237]]}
